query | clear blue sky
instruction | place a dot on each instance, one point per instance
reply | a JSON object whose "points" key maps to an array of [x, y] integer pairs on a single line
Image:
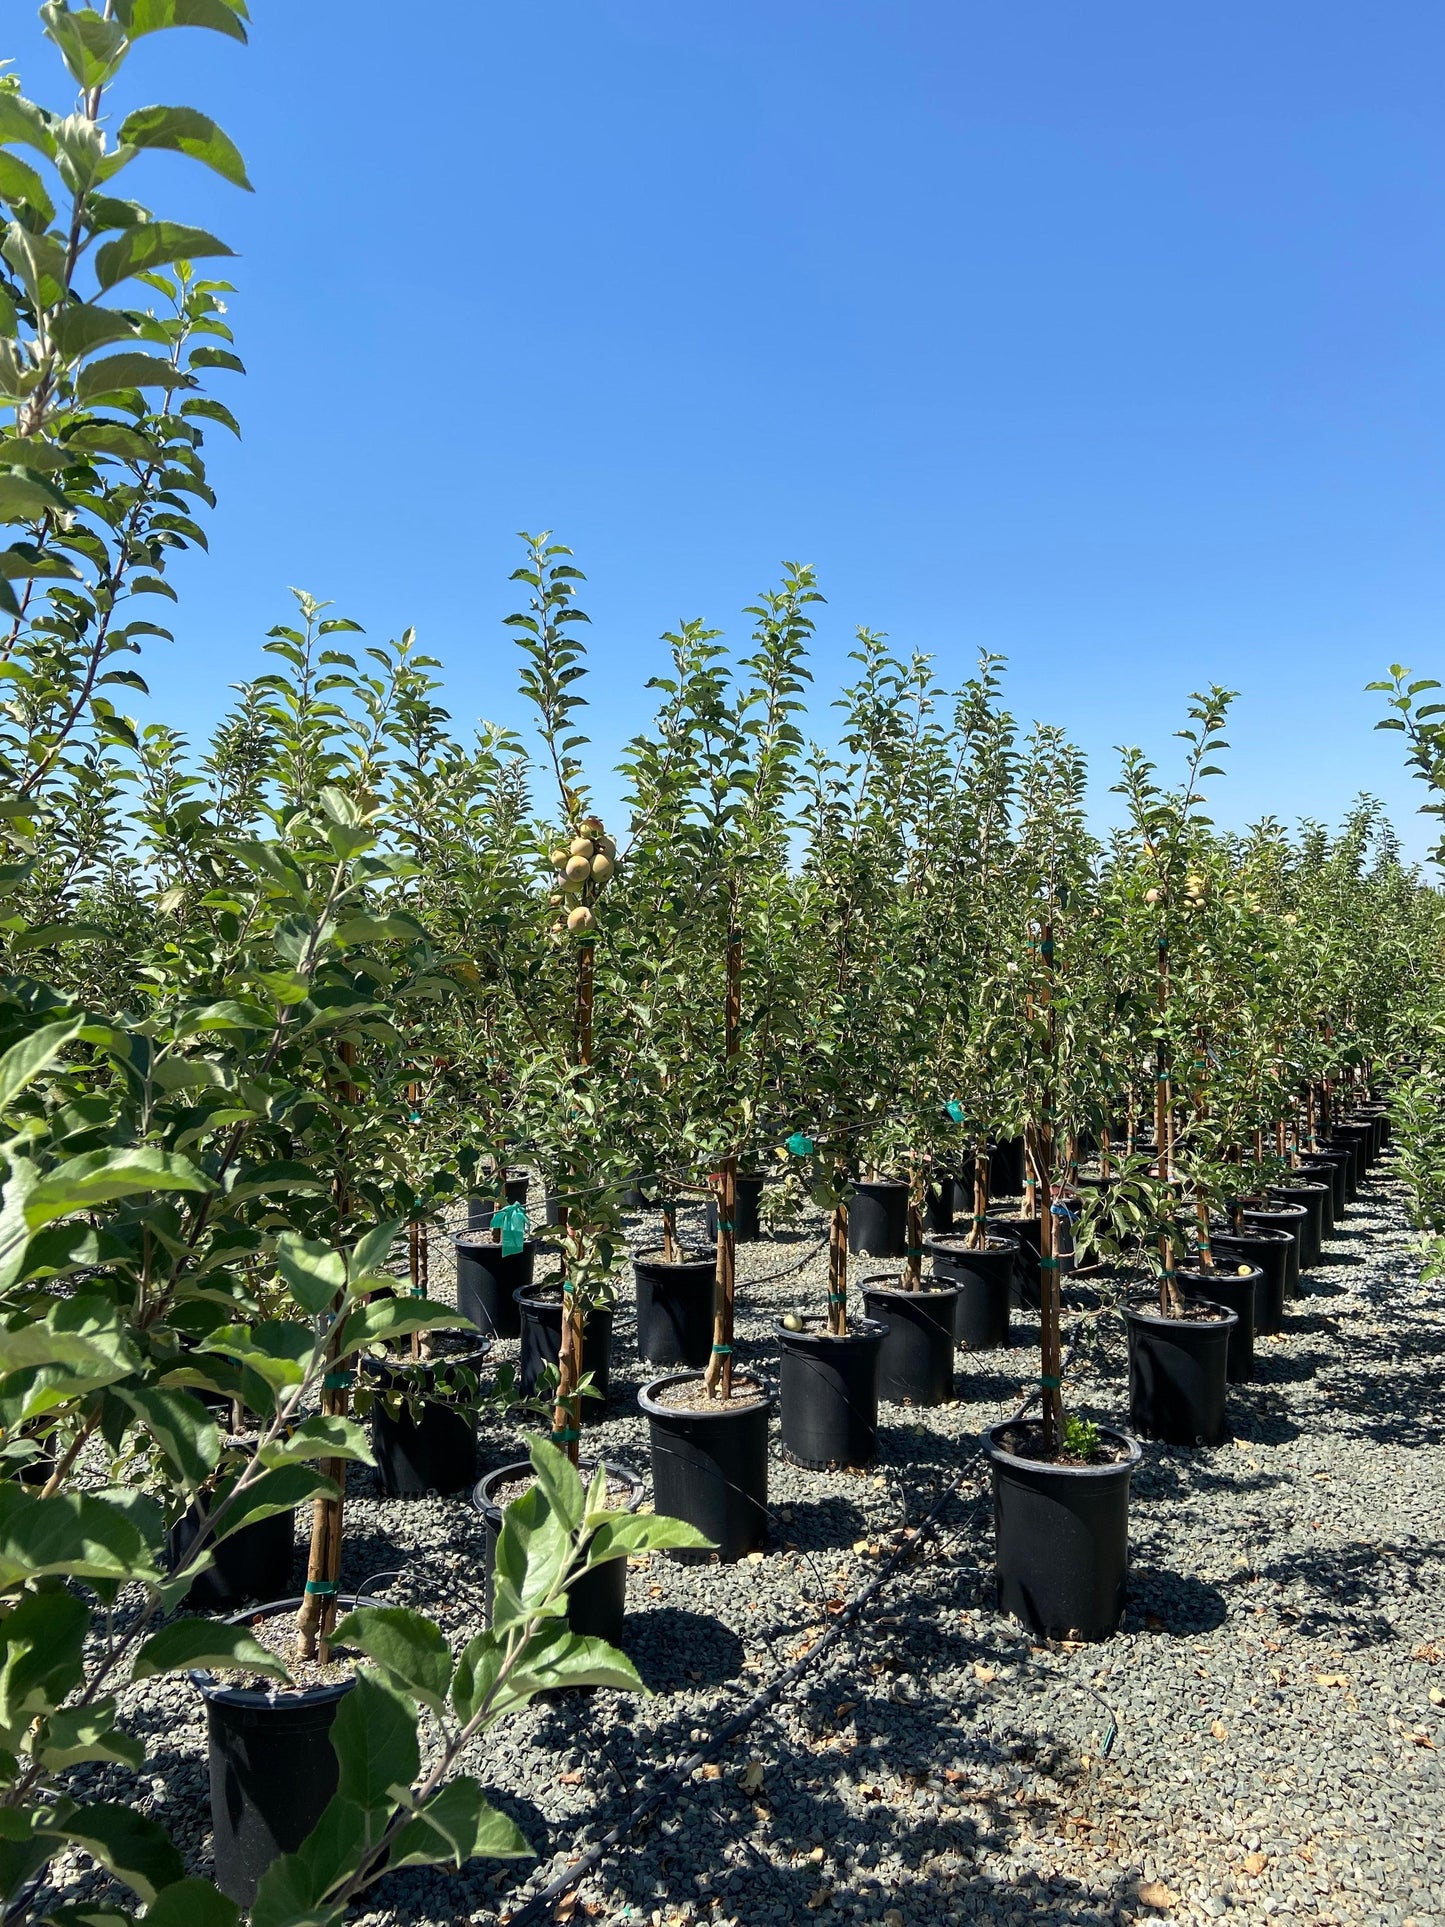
{"points": [[1109, 337]]}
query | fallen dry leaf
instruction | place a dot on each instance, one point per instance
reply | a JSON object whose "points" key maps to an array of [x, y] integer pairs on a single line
{"points": [[756, 1558], [1331, 1679], [1154, 1893], [654, 1592], [1220, 1730], [712, 1771], [1305, 1853], [860, 1545], [570, 1779], [1437, 1698], [1255, 1864], [1429, 1651], [871, 1792], [751, 1777], [985, 1673], [1421, 1739], [820, 1897], [843, 1708]]}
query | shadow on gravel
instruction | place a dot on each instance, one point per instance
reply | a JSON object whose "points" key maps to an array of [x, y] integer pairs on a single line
{"points": [[1354, 1591], [673, 1649], [818, 1525], [1278, 1368], [1171, 1602]]}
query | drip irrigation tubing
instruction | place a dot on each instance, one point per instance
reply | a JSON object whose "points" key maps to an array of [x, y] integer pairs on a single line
{"points": [[673, 1782]]}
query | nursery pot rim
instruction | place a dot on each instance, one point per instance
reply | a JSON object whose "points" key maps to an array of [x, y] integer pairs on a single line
{"points": [[995, 1451], [928, 1288], [523, 1468], [216, 1691], [655, 1261], [1267, 1231], [956, 1245], [475, 1356], [1224, 1316], [858, 1328], [719, 1409], [485, 1240]]}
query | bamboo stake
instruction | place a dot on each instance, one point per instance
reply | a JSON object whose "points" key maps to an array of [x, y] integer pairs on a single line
{"points": [[719, 1375]]}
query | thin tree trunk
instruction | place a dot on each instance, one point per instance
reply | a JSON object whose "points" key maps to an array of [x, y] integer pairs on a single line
{"points": [[838, 1268], [567, 1408], [719, 1376]]}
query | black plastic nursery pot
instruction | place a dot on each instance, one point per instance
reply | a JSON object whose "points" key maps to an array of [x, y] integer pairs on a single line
{"points": [[1355, 1160], [1178, 1370], [480, 1210], [272, 1766], [1269, 1253], [916, 1363], [1360, 1138], [985, 1280], [540, 1307], [1326, 1178], [748, 1228], [254, 1563], [1226, 1285], [1312, 1199], [710, 1465], [435, 1448], [828, 1393], [596, 1600], [1061, 1536], [1281, 1217], [488, 1280], [675, 1307], [878, 1218], [1339, 1159], [1026, 1234], [938, 1204], [1006, 1168]]}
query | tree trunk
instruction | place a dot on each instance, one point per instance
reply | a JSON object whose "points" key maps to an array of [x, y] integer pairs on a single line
{"points": [[838, 1267]]}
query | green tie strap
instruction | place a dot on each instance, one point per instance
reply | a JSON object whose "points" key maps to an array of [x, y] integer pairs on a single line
{"points": [[511, 1221], [323, 1588], [1050, 1384], [338, 1381], [800, 1145]]}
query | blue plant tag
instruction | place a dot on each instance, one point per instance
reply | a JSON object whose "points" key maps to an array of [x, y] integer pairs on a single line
{"points": [[511, 1221], [955, 1110], [800, 1145]]}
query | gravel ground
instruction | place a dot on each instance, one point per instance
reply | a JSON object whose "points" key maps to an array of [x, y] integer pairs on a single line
{"points": [[1258, 1741]]}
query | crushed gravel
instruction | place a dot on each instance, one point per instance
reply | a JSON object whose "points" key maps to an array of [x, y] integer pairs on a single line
{"points": [[1258, 1742]]}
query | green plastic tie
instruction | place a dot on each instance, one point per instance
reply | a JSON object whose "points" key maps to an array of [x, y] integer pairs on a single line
{"points": [[323, 1588], [511, 1221], [1049, 1264], [725, 1224], [913, 1251], [568, 1437], [837, 1297], [1049, 1383], [800, 1144], [338, 1381], [722, 1351]]}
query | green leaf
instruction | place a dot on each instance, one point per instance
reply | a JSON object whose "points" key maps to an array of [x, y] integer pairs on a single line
{"points": [[154, 16], [73, 1534], [42, 1655], [181, 1426], [557, 1658], [388, 1318], [621, 1535], [214, 411], [134, 1849], [21, 120], [374, 1739], [558, 1479], [98, 1176], [455, 1825], [371, 1251], [91, 46], [192, 1903], [407, 1647], [281, 1489], [150, 245], [184, 131], [25, 497], [206, 1643], [397, 928], [79, 1733], [114, 374], [323, 1437], [533, 1552], [20, 184], [80, 328], [315, 1274]]}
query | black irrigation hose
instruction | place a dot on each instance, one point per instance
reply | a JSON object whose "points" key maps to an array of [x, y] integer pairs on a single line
{"points": [[674, 1781]]}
